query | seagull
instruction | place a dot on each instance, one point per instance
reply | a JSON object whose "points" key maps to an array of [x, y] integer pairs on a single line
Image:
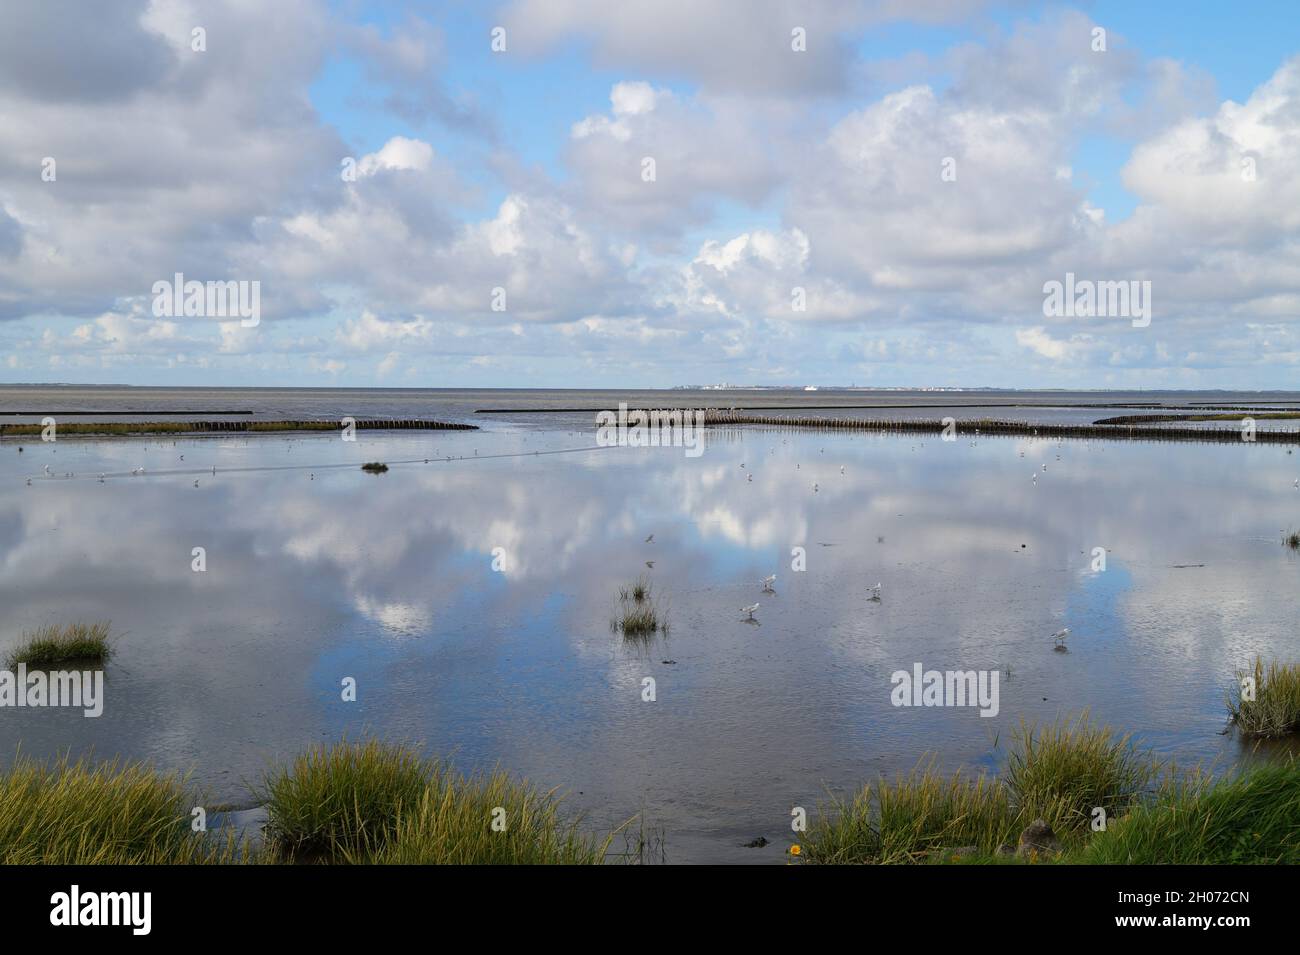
{"points": [[650, 539], [101, 477], [814, 487], [1059, 637], [196, 483], [841, 469], [767, 584], [750, 479], [749, 611], [47, 469], [875, 593], [650, 564]]}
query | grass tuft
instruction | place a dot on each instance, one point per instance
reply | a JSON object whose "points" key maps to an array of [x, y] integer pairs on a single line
{"points": [[1064, 771], [1275, 710], [911, 817], [72, 813], [382, 803], [638, 617], [1247, 819], [53, 645], [484, 820], [1059, 773], [340, 799]]}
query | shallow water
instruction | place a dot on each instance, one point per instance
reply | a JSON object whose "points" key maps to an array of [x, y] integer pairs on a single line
{"points": [[317, 572]]}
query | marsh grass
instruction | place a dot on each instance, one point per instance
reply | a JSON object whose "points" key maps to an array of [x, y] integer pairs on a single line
{"points": [[341, 799], [1058, 773], [1246, 819], [451, 823], [911, 817], [1292, 540], [375, 467], [1064, 770], [1275, 710], [382, 803], [638, 617], [54, 645], [75, 813]]}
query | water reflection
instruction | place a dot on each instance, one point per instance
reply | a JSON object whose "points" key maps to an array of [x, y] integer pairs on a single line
{"points": [[316, 573]]}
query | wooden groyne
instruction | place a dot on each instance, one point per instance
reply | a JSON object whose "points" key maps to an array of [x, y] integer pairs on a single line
{"points": [[985, 426], [216, 427]]}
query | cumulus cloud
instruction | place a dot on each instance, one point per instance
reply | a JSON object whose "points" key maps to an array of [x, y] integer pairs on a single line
{"points": [[913, 223], [731, 46]]}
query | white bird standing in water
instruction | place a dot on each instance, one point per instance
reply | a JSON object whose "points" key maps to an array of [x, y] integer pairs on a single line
{"points": [[749, 611], [875, 593], [767, 584], [1059, 637]]}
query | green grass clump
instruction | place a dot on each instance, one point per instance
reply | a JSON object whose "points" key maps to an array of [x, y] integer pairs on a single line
{"points": [[1060, 773], [1275, 710], [381, 803], [912, 817], [452, 824], [638, 617], [53, 645], [343, 798], [108, 814], [375, 467], [1247, 819]]}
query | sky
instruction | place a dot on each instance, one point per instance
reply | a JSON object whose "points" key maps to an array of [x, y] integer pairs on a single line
{"points": [[577, 193]]}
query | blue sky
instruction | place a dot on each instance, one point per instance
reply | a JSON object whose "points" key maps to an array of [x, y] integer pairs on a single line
{"points": [[777, 170]]}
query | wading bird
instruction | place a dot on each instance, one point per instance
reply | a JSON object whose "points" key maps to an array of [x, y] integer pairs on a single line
{"points": [[749, 611]]}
